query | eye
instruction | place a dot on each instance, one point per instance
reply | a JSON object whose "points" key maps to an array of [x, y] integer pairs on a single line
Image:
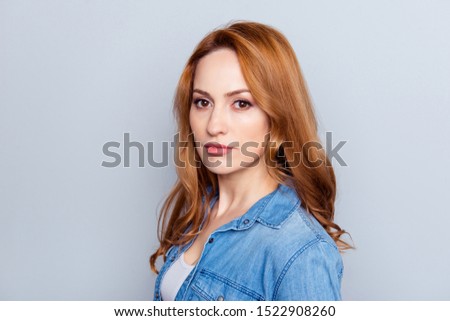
{"points": [[201, 103], [242, 104]]}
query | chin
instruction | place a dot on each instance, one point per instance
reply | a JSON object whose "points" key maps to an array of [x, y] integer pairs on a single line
{"points": [[226, 169], [223, 170]]}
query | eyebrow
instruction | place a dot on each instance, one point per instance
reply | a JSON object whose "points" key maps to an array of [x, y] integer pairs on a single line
{"points": [[231, 93]]}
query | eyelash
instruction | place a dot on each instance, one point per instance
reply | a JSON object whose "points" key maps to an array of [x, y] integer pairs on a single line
{"points": [[196, 101]]}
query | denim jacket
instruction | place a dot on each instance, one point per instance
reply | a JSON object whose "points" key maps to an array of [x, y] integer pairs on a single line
{"points": [[275, 251]]}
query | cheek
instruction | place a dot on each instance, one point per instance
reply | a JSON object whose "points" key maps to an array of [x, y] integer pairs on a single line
{"points": [[257, 128], [252, 134], [197, 125], [193, 122], [190, 117]]}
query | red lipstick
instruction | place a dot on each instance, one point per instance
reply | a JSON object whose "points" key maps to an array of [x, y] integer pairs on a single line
{"points": [[214, 149]]}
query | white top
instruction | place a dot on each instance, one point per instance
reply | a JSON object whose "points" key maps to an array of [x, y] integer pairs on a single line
{"points": [[174, 278]]}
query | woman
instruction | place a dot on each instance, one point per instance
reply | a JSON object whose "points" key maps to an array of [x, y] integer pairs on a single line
{"points": [[251, 215]]}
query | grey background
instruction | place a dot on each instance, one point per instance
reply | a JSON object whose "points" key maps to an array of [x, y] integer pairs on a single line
{"points": [[77, 74]]}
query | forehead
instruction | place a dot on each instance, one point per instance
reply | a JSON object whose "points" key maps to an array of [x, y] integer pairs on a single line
{"points": [[219, 71]]}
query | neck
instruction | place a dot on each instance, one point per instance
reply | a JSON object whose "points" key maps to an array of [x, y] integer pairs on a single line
{"points": [[240, 190]]}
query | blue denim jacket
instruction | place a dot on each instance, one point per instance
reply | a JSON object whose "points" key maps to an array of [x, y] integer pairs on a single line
{"points": [[275, 251]]}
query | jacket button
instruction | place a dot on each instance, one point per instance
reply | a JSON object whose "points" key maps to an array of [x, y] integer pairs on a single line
{"points": [[246, 221], [220, 298], [211, 240]]}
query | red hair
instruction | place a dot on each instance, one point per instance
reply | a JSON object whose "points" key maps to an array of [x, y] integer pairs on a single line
{"points": [[275, 80]]}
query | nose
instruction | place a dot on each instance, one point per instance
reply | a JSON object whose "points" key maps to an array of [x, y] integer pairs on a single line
{"points": [[217, 123]]}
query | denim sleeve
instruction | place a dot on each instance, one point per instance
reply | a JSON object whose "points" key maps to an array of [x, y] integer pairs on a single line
{"points": [[313, 273]]}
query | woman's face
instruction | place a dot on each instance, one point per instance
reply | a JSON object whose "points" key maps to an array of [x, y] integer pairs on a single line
{"points": [[228, 127]]}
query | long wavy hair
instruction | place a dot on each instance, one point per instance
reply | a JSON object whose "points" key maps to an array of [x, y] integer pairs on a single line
{"points": [[293, 151]]}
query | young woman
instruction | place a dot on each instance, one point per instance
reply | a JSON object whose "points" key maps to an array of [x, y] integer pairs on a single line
{"points": [[251, 215]]}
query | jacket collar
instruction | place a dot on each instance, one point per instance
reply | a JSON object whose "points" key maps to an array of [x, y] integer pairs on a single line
{"points": [[271, 210]]}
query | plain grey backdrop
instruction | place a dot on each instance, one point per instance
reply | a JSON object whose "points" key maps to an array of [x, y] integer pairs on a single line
{"points": [[75, 75]]}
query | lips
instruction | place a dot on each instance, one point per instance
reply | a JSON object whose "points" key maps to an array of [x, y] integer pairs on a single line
{"points": [[214, 149]]}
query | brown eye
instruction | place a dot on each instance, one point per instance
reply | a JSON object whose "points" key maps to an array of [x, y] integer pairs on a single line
{"points": [[201, 103], [242, 104]]}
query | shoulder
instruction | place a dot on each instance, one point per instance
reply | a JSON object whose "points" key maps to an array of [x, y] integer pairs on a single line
{"points": [[286, 224], [299, 232], [310, 266], [314, 272], [307, 239], [304, 259]]}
